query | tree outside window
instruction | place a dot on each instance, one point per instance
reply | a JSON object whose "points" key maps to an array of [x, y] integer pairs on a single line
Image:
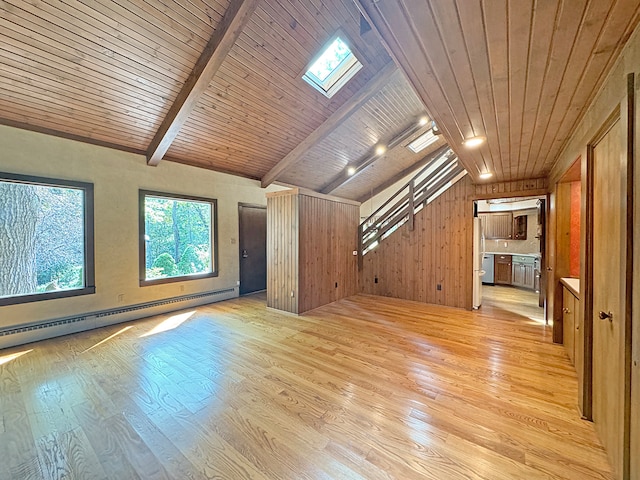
{"points": [[46, 239], [178, 237]]}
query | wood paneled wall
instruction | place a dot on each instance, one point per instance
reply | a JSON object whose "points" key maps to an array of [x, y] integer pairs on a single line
{"points": [[411, 264], [282, 252], [310, 244], [517, 188]]}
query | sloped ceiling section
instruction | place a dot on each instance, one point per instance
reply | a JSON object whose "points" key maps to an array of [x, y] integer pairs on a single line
{"points": [[519, 73], [210, 83]]}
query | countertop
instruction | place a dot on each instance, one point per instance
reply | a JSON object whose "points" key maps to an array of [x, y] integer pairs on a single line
{"points": [[514, 254], [573, 284]]}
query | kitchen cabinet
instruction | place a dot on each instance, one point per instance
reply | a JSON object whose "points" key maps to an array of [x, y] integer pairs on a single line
{"points": [[523, 272], [497, 225], [573, 330], [520, 227], [502, 269], [569, 323]]}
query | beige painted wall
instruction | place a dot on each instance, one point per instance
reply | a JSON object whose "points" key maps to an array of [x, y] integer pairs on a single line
{"points": [[117, 177]]}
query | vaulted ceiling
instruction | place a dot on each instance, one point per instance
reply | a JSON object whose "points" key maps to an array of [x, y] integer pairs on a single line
{"points": [[217, 84]]}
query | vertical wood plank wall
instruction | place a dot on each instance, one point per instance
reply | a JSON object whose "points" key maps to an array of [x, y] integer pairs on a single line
{"points": [[310, 240], [410, 264], [328, 237], [282, 252]]}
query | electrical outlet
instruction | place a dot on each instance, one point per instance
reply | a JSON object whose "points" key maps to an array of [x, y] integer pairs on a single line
{"points": [[182, 288], [336, 284], [121, 297], [375, 279], [439, 287], [292, 295]]}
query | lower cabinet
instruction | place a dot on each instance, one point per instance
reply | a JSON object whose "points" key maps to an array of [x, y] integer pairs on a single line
{"points": [[502, 269], [523, 271], [573, 336]]}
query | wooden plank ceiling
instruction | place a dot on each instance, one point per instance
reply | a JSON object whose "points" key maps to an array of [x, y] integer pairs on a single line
{"points": [[519, 73], [217, 84]]}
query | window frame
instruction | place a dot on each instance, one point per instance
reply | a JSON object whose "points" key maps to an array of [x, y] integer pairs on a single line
{"points": [[89, 237], [142, 265], [343, 72]]}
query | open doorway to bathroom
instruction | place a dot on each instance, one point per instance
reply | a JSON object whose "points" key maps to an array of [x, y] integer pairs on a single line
{"points": [[511, 254]]}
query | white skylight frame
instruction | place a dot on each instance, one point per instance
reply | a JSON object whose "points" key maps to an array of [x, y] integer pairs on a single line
{"points": [[422, 142], [340, 74]]}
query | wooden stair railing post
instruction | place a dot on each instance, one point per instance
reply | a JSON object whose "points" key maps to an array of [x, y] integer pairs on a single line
{"points": [[360, 253], [411, 206]]}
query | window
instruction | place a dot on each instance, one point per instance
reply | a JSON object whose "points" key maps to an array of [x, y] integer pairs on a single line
{"points": [[46, 239], [177, 238], [335, 66], [422, 142]]}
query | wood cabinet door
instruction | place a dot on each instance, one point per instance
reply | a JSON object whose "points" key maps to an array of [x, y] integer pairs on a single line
{"points": [[502, 269], [529, 276], [568, 323], [498, 225]]}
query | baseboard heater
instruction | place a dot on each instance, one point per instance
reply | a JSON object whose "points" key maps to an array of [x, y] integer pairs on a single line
{"points": [[32, 332]]}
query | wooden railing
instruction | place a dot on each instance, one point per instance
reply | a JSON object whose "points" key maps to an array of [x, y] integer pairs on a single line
{"points": [[401, 207]]}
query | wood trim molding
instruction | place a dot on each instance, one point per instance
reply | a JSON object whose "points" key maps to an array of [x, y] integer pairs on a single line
{"points": [[222, 40], [330, 124]]}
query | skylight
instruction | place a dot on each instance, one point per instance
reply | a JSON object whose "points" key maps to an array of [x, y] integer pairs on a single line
{"points": [[422, 142], [333, 68]]}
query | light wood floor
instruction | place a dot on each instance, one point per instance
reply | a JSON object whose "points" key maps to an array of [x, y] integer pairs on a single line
{"points": [[519, 301], [366, 388]]}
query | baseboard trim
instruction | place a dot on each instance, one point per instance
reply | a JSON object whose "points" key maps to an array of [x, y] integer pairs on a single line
{"points": [[36, 331]]}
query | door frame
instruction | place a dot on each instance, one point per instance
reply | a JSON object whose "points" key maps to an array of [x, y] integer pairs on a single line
{"points": [[240, 206]]}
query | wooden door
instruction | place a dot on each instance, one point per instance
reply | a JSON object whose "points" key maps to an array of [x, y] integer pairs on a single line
{"points": [[253, 248], [608, 314]]}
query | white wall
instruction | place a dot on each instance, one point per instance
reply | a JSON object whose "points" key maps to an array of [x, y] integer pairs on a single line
{"points": [[117, 177]]}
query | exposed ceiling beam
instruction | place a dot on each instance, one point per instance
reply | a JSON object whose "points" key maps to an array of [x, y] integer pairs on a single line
{"points": [[216, 50], [344, 177], [336, 119]]}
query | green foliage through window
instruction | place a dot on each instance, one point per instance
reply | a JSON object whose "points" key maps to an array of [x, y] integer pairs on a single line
{"points": [[177, 237]]}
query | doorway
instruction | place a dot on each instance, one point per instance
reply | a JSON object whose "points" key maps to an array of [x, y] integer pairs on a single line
{"points": [[512, 255], [252, 248]]}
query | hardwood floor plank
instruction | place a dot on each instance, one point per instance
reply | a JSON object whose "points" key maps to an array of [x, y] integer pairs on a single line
{"points": [[367, 387]]}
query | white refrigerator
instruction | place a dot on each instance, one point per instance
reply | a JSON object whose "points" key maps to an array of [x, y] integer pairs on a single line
{"points": [[478, 255]]}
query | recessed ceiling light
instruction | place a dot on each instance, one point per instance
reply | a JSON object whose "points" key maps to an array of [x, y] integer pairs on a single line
{"points": [[351, 171], [380, 149], [473, 142], [422, 142], [423, 121], [485, 175]]}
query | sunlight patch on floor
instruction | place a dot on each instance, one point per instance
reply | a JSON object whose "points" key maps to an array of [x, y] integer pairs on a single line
{"points": [[108, 338], [12, 356], [169, 324]]}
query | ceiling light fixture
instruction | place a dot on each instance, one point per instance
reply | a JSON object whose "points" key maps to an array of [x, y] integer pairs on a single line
{"points": [[485, 175], [351, 171], [473, 142], [423, 121], [380, 149]]}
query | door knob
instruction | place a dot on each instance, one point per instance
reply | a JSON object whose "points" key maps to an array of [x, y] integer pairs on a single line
{"points": [[244, 254], [604, 316]]}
